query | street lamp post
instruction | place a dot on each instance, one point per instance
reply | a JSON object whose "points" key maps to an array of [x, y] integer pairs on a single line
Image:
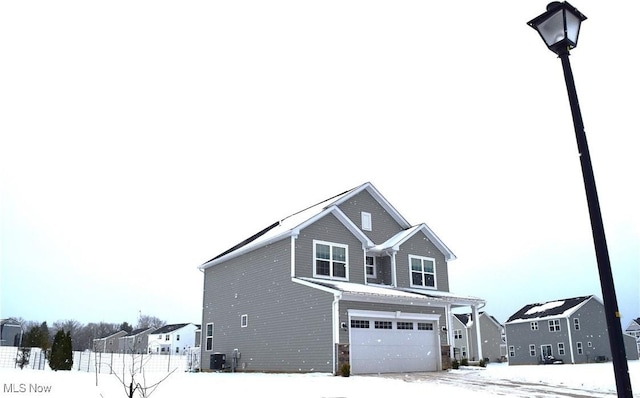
{"points": [[559, 27]]}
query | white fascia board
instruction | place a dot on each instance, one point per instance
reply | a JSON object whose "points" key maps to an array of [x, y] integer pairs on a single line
{"points": [[335, 292], [393, 315], [379, 198], [449, 256]]}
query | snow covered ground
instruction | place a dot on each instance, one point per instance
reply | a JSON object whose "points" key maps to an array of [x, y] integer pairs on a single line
{"points": [[592, 380]]}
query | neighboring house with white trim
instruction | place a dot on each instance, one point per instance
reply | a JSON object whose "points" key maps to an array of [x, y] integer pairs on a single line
{"points": [[346, 281], [493, 343], [573, 330], [634, 330], [176, 339]]}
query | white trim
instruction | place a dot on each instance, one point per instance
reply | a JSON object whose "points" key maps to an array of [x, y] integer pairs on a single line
{"points": [[330, 260], [293, 255], [570, 334], [244, 320], [393, 315], [422, 258], [206, 336]]}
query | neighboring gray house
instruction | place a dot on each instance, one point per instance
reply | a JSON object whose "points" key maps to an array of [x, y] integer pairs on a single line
{"points": [[573, 330], [494, 347], [109, 343], [135, 342], [10, 333], [634, 330], [347, 280]]}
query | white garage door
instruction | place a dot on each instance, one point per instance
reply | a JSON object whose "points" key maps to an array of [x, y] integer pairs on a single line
{"points": [[380, 345]]}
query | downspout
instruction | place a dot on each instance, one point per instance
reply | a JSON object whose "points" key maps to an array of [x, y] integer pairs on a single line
{"points": [[570, 341], [449, 326]]}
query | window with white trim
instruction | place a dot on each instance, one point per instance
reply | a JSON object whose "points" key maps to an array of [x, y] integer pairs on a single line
{"points": [[404, 325], [512, 351], [370, 266], [359, 324], [576, 323], [532, 350], [423, 271], [330, 260], [464, 352], [560, 348], [366, 221], [534, 325], [244, 320], [209, 337], [425, 326], [579, 347], [546, 350], [457, 333], [554, 325], [383, 325]]}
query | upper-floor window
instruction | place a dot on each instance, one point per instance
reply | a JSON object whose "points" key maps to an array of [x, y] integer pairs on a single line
{"points": [[366, 221], [554, 325], [534, 325], [423, 271], [457, 334], [330, 260], [370, 266], [576, 323], [244, 321], [167, 337]]}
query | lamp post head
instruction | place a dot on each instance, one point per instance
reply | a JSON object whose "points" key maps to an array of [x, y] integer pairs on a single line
{"points": [[559, 26]]}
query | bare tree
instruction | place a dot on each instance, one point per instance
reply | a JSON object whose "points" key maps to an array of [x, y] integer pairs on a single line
{"points": [[148, 321], [133, 378], [73, 327]]}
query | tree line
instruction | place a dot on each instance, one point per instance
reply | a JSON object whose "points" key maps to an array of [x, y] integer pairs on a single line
{"points": [[41, 335]]}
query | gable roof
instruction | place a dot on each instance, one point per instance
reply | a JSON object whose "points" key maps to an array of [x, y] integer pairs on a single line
{"points": [[138, 331], [551, 309], [293, 224], [169, 328]]}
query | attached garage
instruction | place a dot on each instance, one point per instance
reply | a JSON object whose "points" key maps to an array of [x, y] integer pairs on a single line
{"points": [[389, 342]]}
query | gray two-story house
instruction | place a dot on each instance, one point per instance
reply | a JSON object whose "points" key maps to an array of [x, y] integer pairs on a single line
{"points": [[493, 344], [136, 341], [572, 330], [346, 281]]}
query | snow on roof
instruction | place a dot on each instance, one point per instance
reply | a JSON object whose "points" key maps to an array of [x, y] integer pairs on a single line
{"points": [[544, 307], [390, 291], [550, 309]]}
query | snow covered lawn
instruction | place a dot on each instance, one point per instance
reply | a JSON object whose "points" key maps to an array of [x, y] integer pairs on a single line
{"points": [[592, 380]]}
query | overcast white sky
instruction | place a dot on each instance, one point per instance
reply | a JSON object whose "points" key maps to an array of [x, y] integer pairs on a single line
{"points": [[141, 138]]}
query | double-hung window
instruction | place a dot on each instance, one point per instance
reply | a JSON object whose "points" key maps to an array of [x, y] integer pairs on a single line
{"points": [[423, 271], [370, 265], [554, 325], [330, 260], [209, 336]]}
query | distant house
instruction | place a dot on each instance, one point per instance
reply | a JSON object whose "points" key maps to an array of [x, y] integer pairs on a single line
{"points": [[347, 281], [573, 330], [172, 339], [10, 333], [109, 343], [494, 347], [634, 330], [135, 342]]}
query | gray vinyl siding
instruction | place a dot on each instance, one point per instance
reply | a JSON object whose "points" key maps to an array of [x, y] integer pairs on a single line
{"points": [[419, 245], [592, 334], [289, 325], [328, 229], [344, 306], [383, 225], [491, 338]]}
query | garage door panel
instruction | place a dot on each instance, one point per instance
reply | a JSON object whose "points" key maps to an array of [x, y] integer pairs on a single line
{"points": [[392, 350]]}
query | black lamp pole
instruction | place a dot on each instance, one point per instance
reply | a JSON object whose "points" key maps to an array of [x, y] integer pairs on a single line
{"points": [[562, 47]]}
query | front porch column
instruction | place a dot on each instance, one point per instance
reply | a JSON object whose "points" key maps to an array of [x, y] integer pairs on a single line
{"points": [[476, 326]]}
